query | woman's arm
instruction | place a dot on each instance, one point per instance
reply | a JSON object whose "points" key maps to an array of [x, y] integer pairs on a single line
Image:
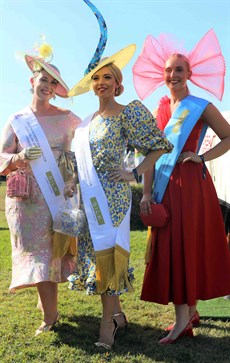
{"points": [[220, 126], [148, 162], [214, 119], [145, 204]]}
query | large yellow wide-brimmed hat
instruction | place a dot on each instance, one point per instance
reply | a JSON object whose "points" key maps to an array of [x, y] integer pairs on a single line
{"points": [[35, 64], [120, 59]]}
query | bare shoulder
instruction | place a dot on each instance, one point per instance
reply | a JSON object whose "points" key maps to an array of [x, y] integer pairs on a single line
{"points": [[61, 111], [155, 112], [214, 119], [119, 107]]}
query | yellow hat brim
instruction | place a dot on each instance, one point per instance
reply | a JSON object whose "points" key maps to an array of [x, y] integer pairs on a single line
{"points": [[62, 89], [120, 59]]}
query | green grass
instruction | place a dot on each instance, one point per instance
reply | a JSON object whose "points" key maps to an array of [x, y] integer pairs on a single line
{"points": [[215, 308], [73, 339]]}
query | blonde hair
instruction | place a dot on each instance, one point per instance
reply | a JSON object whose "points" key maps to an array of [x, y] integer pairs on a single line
{"points": [[184, 58], [116, 72]]}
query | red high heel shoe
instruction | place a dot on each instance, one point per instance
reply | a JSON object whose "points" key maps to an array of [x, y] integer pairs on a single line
{"points": [[186, 332], [195, 320]]}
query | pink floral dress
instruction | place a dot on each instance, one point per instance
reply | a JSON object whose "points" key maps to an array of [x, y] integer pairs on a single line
{"points": [[30, 222]]}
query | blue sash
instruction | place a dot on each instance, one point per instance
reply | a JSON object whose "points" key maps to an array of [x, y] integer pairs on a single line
{"points": [[177, 132]]}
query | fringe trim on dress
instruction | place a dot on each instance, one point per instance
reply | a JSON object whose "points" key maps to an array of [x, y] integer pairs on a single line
{"points": [[112, 270]]}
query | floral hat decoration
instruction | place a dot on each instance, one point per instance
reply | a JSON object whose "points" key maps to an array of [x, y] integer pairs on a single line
{"points": [[42, 59], [120, 59], [206, 63]]}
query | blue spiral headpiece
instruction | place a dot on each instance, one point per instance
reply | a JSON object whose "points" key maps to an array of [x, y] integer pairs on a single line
{"points": [[102, 41], [119, 59]]}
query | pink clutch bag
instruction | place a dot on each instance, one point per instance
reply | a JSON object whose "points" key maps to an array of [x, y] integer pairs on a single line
{"points": [[18, 184]]}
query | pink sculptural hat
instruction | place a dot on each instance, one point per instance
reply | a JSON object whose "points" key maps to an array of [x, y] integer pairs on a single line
{"points": [[206, 62]]}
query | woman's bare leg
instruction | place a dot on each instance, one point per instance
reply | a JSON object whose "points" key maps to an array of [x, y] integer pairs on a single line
{"points": [[107, 326], [192, 310], [182, 320], [48, 296]]}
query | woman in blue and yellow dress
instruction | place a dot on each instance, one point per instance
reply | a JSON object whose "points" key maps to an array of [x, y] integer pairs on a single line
{"points": [[103, 257]]}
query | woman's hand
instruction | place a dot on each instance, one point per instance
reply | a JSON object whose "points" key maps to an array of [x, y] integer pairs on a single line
{"points": [[70, 189], [30, 153], [121, 174], [145, 204], [189, 156]]}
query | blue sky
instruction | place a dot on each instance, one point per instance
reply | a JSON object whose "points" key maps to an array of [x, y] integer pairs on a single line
{"points": [[72, 30]]}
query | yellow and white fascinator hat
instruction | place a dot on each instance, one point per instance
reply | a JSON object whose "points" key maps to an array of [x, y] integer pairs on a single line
{"points": [[42, 61]]}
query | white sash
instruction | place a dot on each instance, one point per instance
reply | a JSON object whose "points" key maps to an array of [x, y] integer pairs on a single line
{"points": [[104, 235], [45, 169]]}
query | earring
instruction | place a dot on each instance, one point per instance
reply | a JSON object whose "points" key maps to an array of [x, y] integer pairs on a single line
{"points": [[54, 97], [116, 92], [31, 90]]}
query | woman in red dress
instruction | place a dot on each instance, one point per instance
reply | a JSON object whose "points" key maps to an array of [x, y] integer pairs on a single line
{"points": [[190, 259]]}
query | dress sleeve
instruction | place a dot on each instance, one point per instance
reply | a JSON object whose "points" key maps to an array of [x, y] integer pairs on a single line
{"points": [[141, 130], [8, 147]]}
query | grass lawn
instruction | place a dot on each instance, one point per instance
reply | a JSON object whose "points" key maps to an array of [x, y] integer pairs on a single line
{"points": [[215, 308], [73, 339]]}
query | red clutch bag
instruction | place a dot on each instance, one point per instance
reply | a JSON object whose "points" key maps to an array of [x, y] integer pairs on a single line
{"points": [[159, 217]]}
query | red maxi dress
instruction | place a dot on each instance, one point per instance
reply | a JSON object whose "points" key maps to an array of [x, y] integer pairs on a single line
{"points": [[191, 259]]}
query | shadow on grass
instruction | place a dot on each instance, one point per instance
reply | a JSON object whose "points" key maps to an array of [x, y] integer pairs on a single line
{"points": [[215, 318], [82, 332], [209, 323]]}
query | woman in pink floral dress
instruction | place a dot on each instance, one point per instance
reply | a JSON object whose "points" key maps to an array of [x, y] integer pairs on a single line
{"points": [[30, 221]]}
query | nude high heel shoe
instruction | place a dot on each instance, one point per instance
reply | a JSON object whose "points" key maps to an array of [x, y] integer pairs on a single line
{"points": [[107, 334], [121, 321], [46, 328]]}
